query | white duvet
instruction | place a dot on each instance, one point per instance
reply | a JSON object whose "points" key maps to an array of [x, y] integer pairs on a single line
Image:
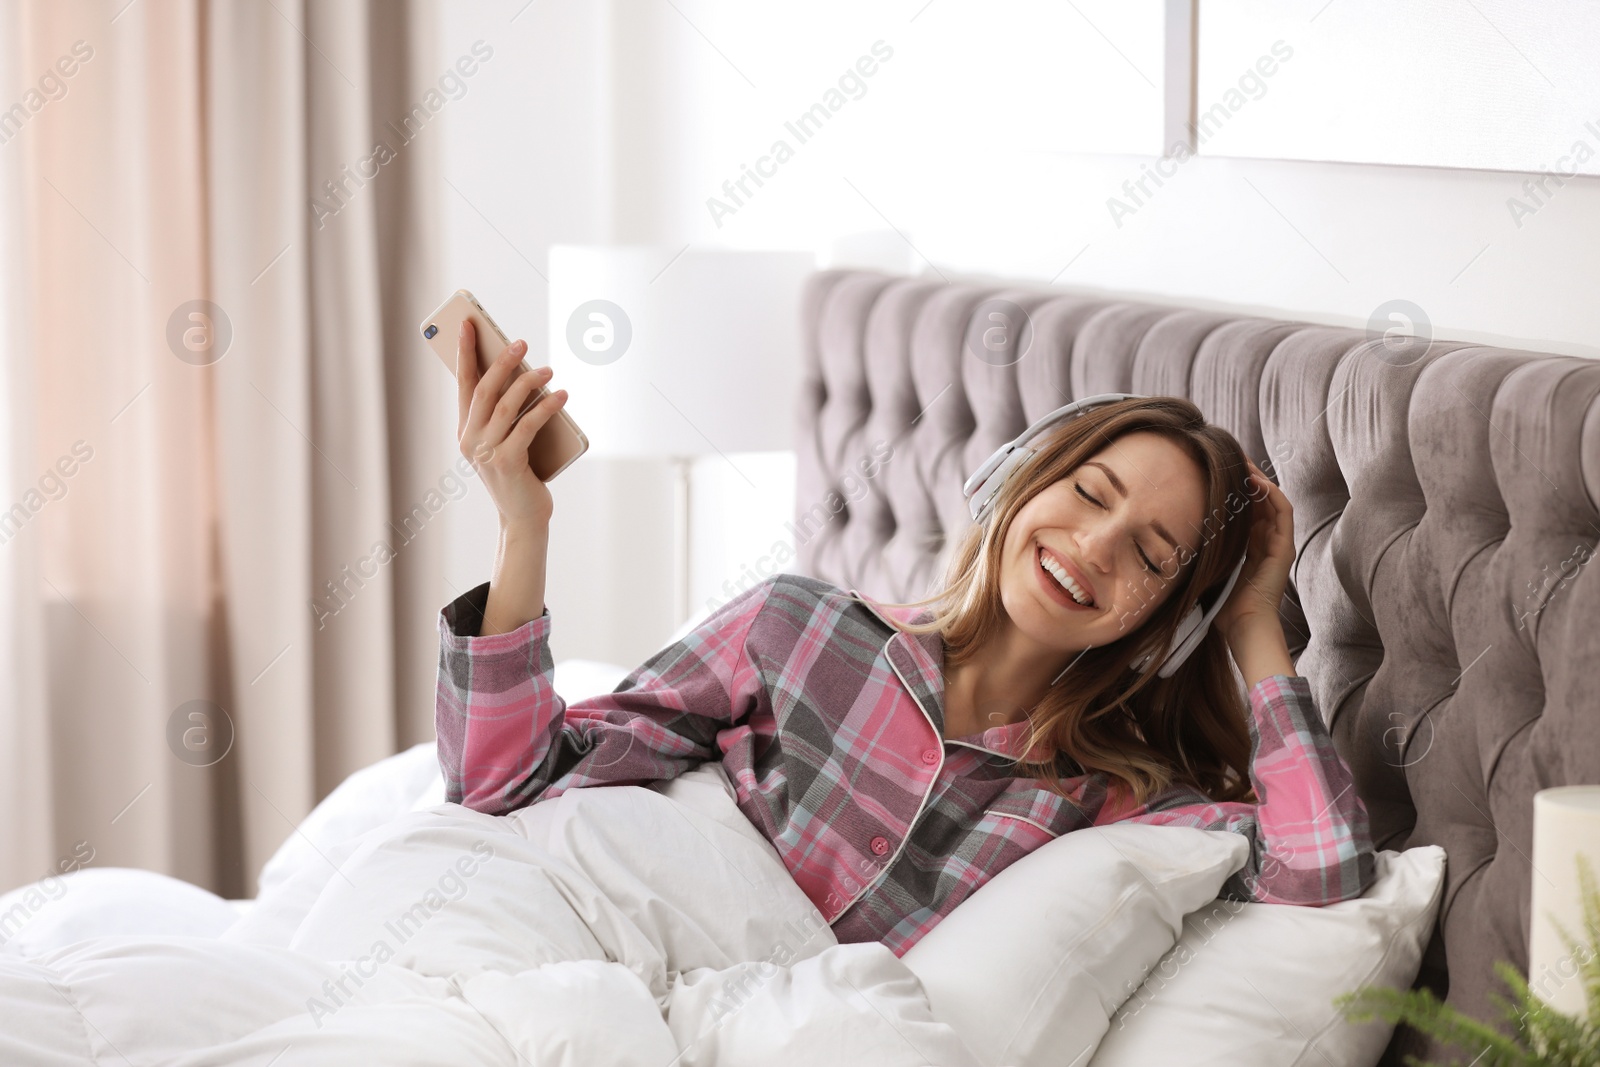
{"points": [[616, 925]]}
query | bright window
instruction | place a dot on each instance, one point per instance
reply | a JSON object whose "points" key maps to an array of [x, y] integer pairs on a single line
{"points": [[1482, 84]]}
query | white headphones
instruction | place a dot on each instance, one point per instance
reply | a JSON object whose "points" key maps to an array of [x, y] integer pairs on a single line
{"points": [[984, 485]]}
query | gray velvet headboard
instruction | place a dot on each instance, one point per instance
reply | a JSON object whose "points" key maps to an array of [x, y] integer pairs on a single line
{"points": [[1445, 498]]}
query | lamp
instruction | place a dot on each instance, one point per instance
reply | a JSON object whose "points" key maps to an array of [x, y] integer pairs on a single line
{"points": [[678, 352], [1566, 823]]}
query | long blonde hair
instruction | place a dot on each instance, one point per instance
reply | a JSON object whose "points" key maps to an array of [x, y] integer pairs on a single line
{"points": [[1141, 730]]}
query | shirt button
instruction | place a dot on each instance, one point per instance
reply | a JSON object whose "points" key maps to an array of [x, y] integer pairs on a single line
{"points": [[880, 845], [931, 756]]}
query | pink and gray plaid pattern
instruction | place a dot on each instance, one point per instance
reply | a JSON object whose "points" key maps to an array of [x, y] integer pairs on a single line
{"points": [[829, 722]]}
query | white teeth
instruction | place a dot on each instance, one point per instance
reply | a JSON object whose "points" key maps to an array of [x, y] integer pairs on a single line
{"points": [[1057, 572]]}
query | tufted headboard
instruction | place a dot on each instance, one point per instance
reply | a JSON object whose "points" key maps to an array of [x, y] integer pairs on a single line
{"points": [[1445, 503]]}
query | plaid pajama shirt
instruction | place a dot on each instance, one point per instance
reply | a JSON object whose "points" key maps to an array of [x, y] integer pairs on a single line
{"points": [[829, 721]]}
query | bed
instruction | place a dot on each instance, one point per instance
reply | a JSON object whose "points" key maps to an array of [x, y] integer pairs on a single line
{"points": [[1436, 488], [1442, 491]]}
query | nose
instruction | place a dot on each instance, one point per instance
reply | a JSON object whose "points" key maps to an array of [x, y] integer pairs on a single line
{"points": [[1097, 545]]}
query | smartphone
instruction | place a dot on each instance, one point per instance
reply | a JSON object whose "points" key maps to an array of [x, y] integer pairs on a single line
{"points": [[559, 442]]}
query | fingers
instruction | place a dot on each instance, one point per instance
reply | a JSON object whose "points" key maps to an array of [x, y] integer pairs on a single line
{"points": [[486, 395], [1277, 524], [1272, 529], [533, 420], [1274, 492], [519, 396]]}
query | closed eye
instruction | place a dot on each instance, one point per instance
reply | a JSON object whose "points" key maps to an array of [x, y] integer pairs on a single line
{"points": [[1151, 567]]}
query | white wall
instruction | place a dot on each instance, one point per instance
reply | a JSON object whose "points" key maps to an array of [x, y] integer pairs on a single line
{"points": [[1491, 84], [1325, 241], [618, 122], [528, 156]]}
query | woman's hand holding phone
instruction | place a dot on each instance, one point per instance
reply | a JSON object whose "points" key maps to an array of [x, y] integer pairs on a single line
{"points": [[495, 440]]}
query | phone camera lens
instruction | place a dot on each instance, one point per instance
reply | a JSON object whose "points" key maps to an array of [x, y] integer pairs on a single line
{"points": [[430, 331]]}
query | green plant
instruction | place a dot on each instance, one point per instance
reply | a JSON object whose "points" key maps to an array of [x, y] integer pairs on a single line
{"points": [[1543, 1037]]}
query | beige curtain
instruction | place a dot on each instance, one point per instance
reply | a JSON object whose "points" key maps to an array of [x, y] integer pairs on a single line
{"points": [[217, 400]]}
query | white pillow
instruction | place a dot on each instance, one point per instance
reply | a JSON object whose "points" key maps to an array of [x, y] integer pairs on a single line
{"points": [[1030, 968], [368, 798], [1252, 985], [59, 910], [406, 781]]}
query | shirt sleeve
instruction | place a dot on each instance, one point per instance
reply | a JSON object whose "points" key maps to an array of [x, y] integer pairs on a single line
{"points": [[506, 738], [1310, 842]]}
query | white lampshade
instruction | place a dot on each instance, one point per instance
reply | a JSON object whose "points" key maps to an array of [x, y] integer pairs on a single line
{"points": [[1566, 823], [673, 352]]}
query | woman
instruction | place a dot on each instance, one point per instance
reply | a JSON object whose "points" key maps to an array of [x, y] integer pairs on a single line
{"points": [[897, 760]]}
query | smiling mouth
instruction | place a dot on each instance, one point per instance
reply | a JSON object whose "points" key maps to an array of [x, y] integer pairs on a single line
{"points": [[1064, 581]]}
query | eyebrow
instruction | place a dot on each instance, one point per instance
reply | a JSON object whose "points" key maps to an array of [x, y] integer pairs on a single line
{"points": [[1116, 483]]}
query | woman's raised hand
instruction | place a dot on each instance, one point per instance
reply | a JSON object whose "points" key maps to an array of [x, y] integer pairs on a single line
{"points": [[494, 433], [1265, 577], [493, 436]]}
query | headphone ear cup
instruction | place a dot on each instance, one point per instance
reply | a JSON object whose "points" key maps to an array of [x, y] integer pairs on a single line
{"points": [[1186, 640], [1186, 629], [1197, 624], [980, 477], [982, 499], [984, 482]]}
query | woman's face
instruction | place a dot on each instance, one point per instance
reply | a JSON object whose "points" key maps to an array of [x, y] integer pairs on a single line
{"points": [[1135, 505]]}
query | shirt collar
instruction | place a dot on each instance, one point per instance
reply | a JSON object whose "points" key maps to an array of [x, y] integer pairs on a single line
{"points": [[919, 658]]}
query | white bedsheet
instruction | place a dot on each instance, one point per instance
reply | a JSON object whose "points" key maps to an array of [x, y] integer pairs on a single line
{"points": [[616, 925]]}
